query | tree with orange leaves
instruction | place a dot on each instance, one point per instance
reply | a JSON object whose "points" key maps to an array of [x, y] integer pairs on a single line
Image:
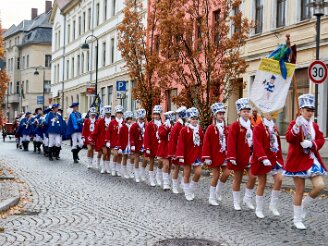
{"points": [[202, 53]]}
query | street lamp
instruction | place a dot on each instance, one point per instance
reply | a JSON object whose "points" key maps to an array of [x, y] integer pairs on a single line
{"points": [[36, 72], [85, 47], [318, 11]]}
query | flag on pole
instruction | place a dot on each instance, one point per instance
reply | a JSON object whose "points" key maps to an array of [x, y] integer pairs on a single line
{"points": [[97, 103]]}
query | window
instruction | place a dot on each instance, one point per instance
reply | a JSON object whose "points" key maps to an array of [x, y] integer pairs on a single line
{"points": [[104, 54], [27, 61], [83, 23], [55, 73], [199, 34], [258, 16], [217, 18], [88, 61], [17, 87], [68, 33], [97, 14], [73, 70], [235, 29], [74, 28], [79, 27], [82, 62], [27, 90], [305, 10], [110, 95], [18, 63], [78, 65], [8, 65], [281, 12], [47, 86], [105, 10], [23, 62], [112, 50], [58, 73], [113, 7], [67, 69], [47, 62], [89, 18], [58, 39], [12, 64], [103, 94]]}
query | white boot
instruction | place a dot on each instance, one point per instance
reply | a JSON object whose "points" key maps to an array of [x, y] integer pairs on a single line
{"points": [[113, 168], [131, 166], [159, 177], [175, 186], [166, 181], [212, 199], [152, 179], [182, 183], [137, 176], [219, 188], [192, 187], [142, 174], [306, 203], [125, 172], [274, 202], [236, 200], [103, 168], [298, 211], [98, 163], [90, 160], [259, 207], [107, 167], [248, 198], [188, 193], [118, 169]]}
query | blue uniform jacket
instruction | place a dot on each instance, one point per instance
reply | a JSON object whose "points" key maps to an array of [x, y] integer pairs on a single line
{"points": [[55, 123], [24, 127], [75, 122]]}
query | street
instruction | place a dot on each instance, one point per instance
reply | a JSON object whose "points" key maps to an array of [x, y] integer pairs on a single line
{"points": [[72, 205]]}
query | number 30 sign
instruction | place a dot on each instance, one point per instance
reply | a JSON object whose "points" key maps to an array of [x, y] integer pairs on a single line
{"points": [[318, 72]]}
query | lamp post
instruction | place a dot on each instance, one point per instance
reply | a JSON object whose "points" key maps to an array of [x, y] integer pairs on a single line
{"points": [[318, 11], [85, 47], [36, 72]]}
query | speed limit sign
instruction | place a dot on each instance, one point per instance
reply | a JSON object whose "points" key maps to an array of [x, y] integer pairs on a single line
{"points": [[318, 72]]}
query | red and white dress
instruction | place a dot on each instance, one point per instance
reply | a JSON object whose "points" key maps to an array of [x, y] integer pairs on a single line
{"points": [[98, 136], [214, 147], [151, 139], [113, 136], [125, 138], [137, 132], [173, 141], [88, 127], [164, 135]]}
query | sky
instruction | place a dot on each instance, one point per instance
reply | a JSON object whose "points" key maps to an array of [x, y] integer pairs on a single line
{"points": [[14, 11]]}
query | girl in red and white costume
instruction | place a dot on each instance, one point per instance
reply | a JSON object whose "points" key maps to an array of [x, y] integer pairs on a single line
{"points": [[303, 158], [88, 127], [162, 151], [98, 137], [127, 171], [189, 152], [137, 132], [240, 143], [214, 152], [113, 140], [151, 139], [267, 158], [180, 115]]}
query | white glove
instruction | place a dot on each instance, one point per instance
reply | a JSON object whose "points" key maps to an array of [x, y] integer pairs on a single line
{"points": [[108, 144], [133, 148], [167, 123], [83, 140], [181, 160], [233, 162], [148, 152], [120, 152], [306, 144], [208, 162], [299, 121], [266, 162]]}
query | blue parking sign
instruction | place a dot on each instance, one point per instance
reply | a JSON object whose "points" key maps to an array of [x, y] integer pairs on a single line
{"points": [[121, 85]]}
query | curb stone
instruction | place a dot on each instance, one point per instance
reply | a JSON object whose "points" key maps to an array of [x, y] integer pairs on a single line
{"points": [[8, 203]]}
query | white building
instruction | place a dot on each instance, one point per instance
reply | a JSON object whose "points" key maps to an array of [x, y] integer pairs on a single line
{"points": [[73, 70]]}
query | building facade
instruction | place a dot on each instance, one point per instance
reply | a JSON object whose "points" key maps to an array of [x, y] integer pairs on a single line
{"points": [[74, 70], [27, 49]]}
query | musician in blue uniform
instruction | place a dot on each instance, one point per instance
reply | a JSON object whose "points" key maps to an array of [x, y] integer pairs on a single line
{"points": [[25, 130], [36, 130], [55, 130], [75, 124]]}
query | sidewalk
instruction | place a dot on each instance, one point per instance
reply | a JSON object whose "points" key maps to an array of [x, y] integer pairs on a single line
{"points": [[9, 190]]}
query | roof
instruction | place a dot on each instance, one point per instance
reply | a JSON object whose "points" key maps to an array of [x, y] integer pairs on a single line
{"points": [[62, 3]]}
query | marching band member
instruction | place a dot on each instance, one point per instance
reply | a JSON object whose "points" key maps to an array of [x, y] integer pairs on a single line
{"points": [[113, 140], [267, 158], [98, 137], [303, 158], [55, 129], [180, 115], [127, 171], [151, 139], [75, 124], [162, 151], [239, 152], [38, 137], [189, 150], [88, 127], [25, 130], [137, 132], [44, 129], [214, 152]]}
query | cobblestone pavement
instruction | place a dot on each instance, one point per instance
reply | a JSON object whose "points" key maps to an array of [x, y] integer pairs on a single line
{"points": [[76, 206]]}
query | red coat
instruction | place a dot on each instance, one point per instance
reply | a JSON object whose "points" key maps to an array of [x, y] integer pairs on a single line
{"points": [[211, 147], [297, 160], [238, 148], [261, 151], [136, 137], [150, 139], [113, 135], [162, 151], [98, 135], [86, 130], [186, 149], [173, 141], [123, 137]]}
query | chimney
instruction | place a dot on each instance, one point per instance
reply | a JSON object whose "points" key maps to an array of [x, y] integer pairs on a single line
{"points": [[48, 6], [34, 13]]}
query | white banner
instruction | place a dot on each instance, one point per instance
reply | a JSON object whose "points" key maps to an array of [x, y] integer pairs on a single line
{"points": [[269, 89]]}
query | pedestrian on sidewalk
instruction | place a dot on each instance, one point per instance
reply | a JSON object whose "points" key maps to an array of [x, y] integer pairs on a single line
{"points": [[181, 116], [267, 158], [239, 151], [137, 132], [127, 170], [214, 153], [303, 159], [75, 125], [189, 152]]}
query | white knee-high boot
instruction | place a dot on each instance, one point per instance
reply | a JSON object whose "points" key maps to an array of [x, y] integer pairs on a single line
{"points": [[212, 199], [259, 207], [274, 202], [298, 221], [248, 198], [236, 200]]}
